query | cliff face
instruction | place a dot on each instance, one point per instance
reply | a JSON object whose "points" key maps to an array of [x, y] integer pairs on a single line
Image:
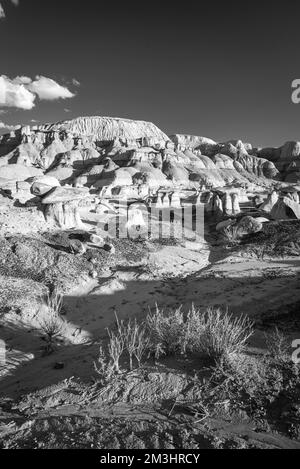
{"points": [[107, 129]]}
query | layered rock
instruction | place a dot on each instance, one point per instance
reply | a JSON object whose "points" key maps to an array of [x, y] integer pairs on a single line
{"points": [[62, 207], [113, 153]]}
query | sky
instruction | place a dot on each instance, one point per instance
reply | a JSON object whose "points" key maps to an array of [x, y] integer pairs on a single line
{"points": [[220, 71]]}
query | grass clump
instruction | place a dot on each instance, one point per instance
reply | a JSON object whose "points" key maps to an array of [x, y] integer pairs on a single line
{"points": [[166, 332], [130, 341], [52, 325], [213, 333], [216, 333]]}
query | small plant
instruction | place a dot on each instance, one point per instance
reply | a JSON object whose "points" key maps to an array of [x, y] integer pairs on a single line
{"points": [[52, 325], [166, 331], [115, 349], [222, 335], [135, 340], [213, 333], [130, 337], [278, 346], [103, 367], [54, 302], [231, 234]]}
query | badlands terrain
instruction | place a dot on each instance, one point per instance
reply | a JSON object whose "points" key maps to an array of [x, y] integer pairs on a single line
{"points": [[191, 246]]}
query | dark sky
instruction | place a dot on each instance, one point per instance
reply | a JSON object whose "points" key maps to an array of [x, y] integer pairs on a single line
{"points": [[219, 70]]}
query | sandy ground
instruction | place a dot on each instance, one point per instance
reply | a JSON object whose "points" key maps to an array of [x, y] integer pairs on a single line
{"points": [[203, 277], [169, 276]]}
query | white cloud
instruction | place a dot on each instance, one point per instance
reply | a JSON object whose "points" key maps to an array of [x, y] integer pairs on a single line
{"points": [[8, 126], [2, 12], [22, 80], [48, 89], [76, 82], [14, 94], [21, 92]]}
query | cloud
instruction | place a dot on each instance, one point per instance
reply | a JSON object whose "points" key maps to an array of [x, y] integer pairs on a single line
{"points": [[15, 94], [8, 126], [22, 80], [76, 82], [2, 12], [48, 89], [22, 92]]}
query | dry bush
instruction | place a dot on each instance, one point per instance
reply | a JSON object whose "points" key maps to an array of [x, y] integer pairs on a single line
{"points": [[52, 325], [166, 331], [130, 337], [217, 334], [278, 346], [213, 333]]}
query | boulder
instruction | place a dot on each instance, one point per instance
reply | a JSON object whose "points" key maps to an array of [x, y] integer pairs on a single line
{"points": [[43, 185], [97, 240]]}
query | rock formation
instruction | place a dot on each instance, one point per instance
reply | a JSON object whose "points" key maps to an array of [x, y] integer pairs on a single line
{"points": [[62, 207], [127, 158]]}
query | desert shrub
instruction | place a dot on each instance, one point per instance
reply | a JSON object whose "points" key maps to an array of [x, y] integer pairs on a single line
{"points": [[52, 325], [212, 333], [278, 346], [166, 331], [216, 334], [129, 338]]}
